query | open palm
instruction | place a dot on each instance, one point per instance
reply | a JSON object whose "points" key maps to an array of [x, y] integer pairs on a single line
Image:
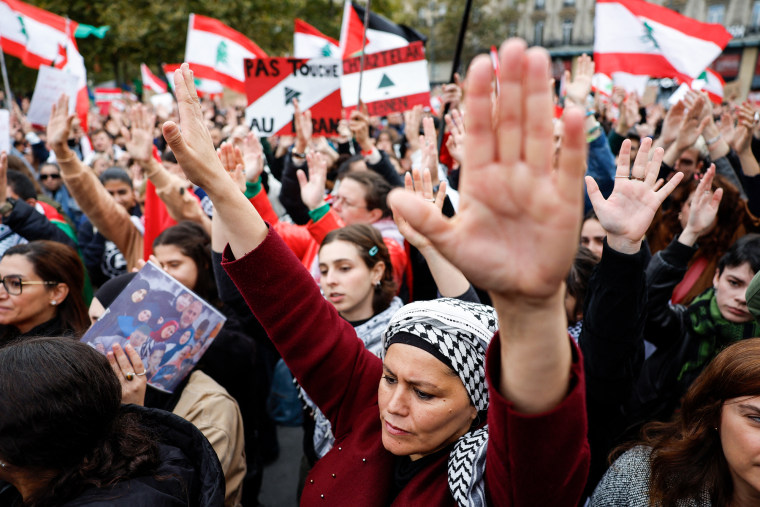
{"points": [[628, 212], [516, 230]]}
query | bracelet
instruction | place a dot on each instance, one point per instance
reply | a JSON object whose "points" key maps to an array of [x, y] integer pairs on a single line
{"points": [[591, 134], [67, 159], [713, 140], [367, 153], [295, 154]]}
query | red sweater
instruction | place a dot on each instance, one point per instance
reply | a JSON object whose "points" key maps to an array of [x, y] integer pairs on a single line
{"points": [[531, 459]]}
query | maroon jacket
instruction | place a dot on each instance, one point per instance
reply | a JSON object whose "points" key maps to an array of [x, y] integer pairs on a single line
{"points": [[531, 459]]}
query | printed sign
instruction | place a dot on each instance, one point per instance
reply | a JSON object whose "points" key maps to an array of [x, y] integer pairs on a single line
{"points": [[51, 83], [5, 131], [393, 81], [271, 84]]}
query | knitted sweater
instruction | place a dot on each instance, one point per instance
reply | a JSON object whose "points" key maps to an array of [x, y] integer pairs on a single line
{"points": [[537, 459]]}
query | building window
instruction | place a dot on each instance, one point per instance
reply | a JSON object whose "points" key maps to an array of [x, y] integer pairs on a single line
{"points": [[567, 31], [538, 33], [540, 4], [755, 15], [716, 13], [568, 3], [512, 29]]}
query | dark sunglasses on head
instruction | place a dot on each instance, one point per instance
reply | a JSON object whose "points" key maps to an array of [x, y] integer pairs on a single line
{"points": [[46, 176]]}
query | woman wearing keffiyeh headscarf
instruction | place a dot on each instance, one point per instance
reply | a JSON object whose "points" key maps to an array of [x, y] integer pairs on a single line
{"points": [[409, 428]]}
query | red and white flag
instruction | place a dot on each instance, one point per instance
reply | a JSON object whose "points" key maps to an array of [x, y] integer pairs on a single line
{"points": [[601, 84], [273, 83], [382, 34], [308, 42], [39, 37], [105, 97], [711, 83], [215, 51], [643, 38], [393, 81], [204, 87], [151, 81]]}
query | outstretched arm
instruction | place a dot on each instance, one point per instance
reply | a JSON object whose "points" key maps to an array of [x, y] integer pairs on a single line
{"points": [[195, 153], [508, 190]]}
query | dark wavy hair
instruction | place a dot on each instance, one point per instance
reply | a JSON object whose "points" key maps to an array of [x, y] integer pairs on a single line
{"points": [[60, 411], [365, 238], [578, 277], [712, 245], [193, 241], [56, 262], [687, 457]]}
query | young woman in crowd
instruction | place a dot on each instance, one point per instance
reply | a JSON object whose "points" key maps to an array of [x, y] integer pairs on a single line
{"points": [[42, 291], [86, 448], [706, 456], [430, 388]]}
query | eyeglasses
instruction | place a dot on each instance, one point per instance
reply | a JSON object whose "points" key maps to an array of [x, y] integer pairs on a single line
{"points": [[13, 284], [339, 199], [53, 176]]}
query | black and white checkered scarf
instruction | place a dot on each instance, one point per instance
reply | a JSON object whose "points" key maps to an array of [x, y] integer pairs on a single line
{"points": [[461, 331]]}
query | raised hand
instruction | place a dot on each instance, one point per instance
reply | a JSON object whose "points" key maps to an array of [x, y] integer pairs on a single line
{"points": [[412, 122], [693, 123], [304, 127], [193, 145], [429, 144], [516, 231], [703, 209], [455, 142], [59, 125], [580, 86], [140, 135], [253, 157], [359, 124], [420, 183], [628, 212], [232, 160], [313, 189], [672, 123]]}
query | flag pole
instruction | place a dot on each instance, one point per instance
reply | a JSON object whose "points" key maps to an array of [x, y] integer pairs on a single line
{"points": [[364, 43], [5, 78], [455, 65]]}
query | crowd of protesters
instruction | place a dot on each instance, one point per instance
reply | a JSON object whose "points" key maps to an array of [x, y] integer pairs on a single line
{"points": [[525, 336]]}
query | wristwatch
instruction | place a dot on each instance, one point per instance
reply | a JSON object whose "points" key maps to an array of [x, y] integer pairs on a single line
{"points": [[7, 207]]}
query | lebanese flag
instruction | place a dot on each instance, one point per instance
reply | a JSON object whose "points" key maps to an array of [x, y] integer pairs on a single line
{"points": [[602, 84], [104, 97], [308, 42], [394, 81], [642, 38], [215, 51], [382, 34], [150, 80], [39, 37], [36, 36], [712, 83], [204, 87]]}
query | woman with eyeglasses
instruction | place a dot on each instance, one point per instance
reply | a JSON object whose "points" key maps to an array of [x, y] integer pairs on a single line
{"points": [[42, 291]]}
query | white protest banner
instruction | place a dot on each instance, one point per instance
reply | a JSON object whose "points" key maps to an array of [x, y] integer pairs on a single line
{"points": [[165, 100], [5, 131], [394, 81], [272, 83], [51, 83]]}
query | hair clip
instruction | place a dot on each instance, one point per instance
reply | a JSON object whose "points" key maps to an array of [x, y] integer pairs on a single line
{"points": [[373, 251]]}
